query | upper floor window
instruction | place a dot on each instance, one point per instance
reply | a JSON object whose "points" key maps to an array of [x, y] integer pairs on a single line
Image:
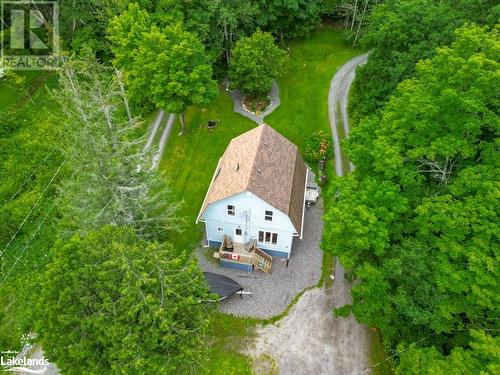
{"points": [[268, 216], [231, 211]]}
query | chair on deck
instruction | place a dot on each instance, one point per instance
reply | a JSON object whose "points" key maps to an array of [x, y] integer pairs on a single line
{"points": [[229, 243], [250, 246]]}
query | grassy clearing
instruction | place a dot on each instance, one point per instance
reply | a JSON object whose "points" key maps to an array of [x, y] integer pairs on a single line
{"points": [[305, 84], [230, 335], [11, 93], [189, 161], [378, 355]]}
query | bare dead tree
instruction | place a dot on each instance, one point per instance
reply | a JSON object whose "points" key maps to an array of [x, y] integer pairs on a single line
{"points": [[439, 171], [360, 23]]}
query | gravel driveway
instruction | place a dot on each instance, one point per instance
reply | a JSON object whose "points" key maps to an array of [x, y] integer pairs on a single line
{"points": [[310, 339], [337, 99], [273, 293]]}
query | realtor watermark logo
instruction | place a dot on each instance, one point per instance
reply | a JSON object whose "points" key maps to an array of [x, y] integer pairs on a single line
{"points": [[11, 361], [29, 35]]}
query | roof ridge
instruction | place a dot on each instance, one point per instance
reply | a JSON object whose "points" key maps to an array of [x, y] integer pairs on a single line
{"points": [[252, 169]]}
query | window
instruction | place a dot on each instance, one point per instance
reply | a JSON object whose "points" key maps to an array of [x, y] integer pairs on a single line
{"points": [[268, 238], [268, 216], [220, 229], [231, 210]]}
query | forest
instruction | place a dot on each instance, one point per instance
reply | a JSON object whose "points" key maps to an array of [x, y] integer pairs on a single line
{"points": [[94, 266]]}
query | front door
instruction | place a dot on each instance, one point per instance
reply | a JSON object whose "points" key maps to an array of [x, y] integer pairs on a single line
{"points": [[238, 235]]}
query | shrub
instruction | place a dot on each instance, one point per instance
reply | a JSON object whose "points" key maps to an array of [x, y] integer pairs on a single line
{"points": [[318, 147]]}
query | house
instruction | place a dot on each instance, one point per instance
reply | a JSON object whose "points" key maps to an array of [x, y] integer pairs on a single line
{"points": [[257, 194]]}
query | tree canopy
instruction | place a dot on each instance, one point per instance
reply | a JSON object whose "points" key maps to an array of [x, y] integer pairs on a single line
{"points": [[399, 33], [113, 304], [164, 65], [417, 222], [256, 62]]}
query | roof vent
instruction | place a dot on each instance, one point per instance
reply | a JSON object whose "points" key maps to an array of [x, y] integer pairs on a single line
{"points": [[259, 170], [237, 166], [265, 144]]}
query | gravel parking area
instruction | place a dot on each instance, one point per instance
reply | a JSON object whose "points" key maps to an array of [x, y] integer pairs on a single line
{"points": [[273, 293]]}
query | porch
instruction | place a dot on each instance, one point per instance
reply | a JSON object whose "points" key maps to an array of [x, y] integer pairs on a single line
{"points": [[245, 257]]}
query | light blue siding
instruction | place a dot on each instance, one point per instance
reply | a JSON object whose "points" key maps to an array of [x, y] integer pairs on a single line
{"points": [[214, 244], [238, 266], [275, 253], [250, 218]]}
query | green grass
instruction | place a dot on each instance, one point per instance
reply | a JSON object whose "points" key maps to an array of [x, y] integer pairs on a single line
{"points": [[378, 355], [230, 335], [189, 161], [11, 93], [305, 84], [327, 265]]}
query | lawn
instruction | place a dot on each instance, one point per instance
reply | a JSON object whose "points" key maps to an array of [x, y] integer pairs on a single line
{"points": [[10, 93], [305, 84], [189, 160]]}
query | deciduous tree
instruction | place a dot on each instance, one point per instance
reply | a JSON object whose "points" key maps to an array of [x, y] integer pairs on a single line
{"points": [[256, 62], [166, 66]]}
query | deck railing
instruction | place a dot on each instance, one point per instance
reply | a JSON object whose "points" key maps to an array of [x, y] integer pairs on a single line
{"points": [[235, 257], [249, 254]]}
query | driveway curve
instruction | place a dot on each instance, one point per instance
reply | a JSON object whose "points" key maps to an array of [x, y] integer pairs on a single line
{"points": [[337, 106], [310, 339]]}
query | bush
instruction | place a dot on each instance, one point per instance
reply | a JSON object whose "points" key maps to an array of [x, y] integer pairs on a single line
{"points": [[318, 147], [256, 62]]}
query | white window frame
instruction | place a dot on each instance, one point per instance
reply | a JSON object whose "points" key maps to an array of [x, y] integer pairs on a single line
{"points": [[272, 237], [268, 215], [231, 211]]}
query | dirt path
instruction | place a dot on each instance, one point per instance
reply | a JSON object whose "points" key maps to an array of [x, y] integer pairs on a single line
{"points": [[163, 141], [337, 100], [153, 129], [310, 340]]}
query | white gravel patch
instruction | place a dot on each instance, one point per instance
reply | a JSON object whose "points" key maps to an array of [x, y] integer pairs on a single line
{"points": [[273, 293]]}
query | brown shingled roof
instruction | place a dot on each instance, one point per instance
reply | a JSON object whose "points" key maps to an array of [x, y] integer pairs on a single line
{"points": [[267, 164]]}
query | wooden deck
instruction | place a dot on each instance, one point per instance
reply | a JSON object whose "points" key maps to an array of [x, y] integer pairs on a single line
{"points": [[248, 254]]}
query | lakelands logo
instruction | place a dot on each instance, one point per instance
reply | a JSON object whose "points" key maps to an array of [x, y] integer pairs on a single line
{"points": [[11, 362], [29, 35]]}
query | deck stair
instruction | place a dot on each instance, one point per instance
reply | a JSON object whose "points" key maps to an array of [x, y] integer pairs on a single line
{"points": [[245, 254]]}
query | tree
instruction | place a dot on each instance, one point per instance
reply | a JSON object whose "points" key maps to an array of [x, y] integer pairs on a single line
{"points": [[400, 33], [234, 19], [114, 304], [83, 24], [112, 181], [416, 222], [483, 357], [165, 66], [256, 62], [289, 18]]}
